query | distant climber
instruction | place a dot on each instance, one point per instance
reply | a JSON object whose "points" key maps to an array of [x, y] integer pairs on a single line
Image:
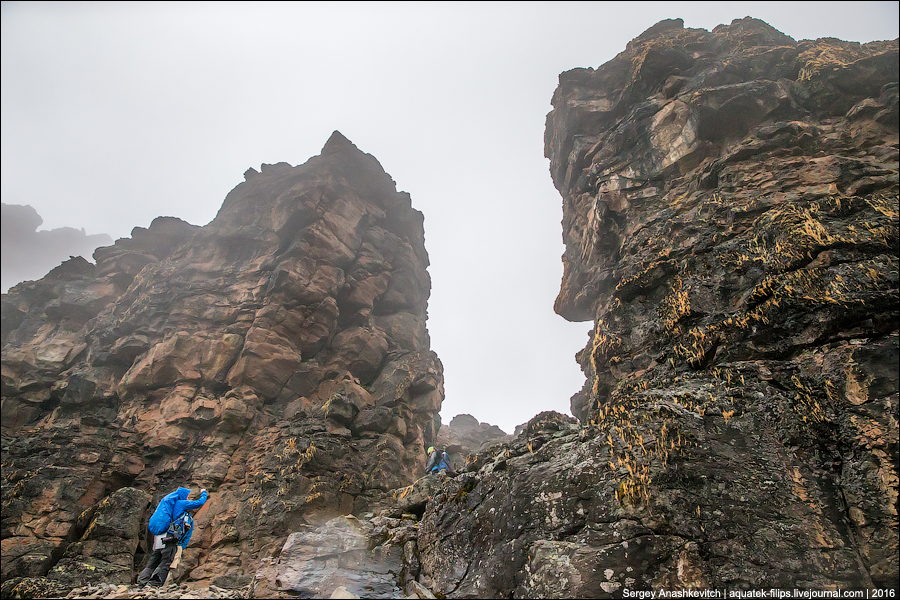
{"points": [[438, 461], [170, 527]]}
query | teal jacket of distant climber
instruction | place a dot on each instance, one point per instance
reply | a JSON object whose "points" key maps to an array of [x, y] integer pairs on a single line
{"points": [[437, 461], [171, 508]]}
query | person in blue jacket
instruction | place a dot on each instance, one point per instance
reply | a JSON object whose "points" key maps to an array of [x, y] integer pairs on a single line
{"points": [[438, 462], [171, 527]]}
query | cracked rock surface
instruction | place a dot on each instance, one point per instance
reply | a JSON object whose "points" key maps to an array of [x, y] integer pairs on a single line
{"points": [[277, 357], [730, 214]]}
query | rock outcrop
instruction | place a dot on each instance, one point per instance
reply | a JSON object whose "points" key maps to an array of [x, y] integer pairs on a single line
{"points": [[468, 435], [373, 557], [277, 356], [465, 435], [730, 217]]}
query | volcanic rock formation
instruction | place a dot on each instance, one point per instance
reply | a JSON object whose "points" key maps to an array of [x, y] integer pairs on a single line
{"points": [[277, 356], [730, 214], [465, 435]]}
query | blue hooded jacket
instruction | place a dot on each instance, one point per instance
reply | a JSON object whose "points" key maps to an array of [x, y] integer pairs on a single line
{"points": [[438, 461], [170, 508]]}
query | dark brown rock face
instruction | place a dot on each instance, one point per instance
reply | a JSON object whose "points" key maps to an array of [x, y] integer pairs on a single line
{"points": [[277, 357], [731, 224]]}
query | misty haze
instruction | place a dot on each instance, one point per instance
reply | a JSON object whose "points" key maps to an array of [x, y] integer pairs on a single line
{"points": [[29, 254], [450, 300]]}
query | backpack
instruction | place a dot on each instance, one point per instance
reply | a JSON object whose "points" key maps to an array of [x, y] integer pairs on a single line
{"points": [[443, 463], [178, 528]]}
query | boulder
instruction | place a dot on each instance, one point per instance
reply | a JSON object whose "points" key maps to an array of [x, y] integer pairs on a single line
{"points": [[345, 557], [105, 552]]}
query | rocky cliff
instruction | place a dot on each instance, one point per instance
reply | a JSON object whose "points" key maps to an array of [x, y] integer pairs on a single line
{"points": [[730, 214], [277, 356]]}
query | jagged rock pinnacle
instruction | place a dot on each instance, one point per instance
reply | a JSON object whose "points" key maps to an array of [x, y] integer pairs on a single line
{"points": [[295, 321], [337, 142]]}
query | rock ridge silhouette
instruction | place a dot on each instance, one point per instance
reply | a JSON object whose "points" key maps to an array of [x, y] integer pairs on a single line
{"points": [[277, 356]]}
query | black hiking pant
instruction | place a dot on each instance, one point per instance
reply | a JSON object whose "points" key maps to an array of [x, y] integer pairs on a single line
{"points": [[157, 568]]}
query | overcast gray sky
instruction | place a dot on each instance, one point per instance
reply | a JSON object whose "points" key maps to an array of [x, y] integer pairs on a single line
{"points": [[113, 114]]}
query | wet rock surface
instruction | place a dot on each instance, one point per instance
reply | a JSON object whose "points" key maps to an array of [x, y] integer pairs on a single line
{"points": [[277, 356], [739, 423], [339, 554], [731, 224], [731, 227]]}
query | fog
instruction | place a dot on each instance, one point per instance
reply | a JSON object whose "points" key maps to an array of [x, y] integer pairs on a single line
{"points": [[116, 113], [30, 254]]}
